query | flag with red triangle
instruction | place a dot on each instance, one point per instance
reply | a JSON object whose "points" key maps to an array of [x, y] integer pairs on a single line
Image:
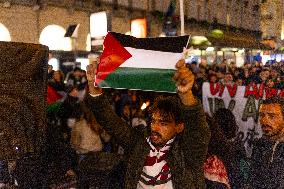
{"points": [[139, 63]]}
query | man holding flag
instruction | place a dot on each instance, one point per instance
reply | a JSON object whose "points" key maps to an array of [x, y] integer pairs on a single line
{"points": [[172, 155]]}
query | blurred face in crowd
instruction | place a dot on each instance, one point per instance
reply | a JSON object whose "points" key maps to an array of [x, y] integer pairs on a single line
{"points": [[239, 82], [246, 72], [83, 73], [233, 65], [272, 121], [274, 74], [57, 76], [270, 83], [74, 93], [228, 77], [253, 70], [202, 70], [213, 79], [257, 64], [163, 129], [127, 111], [220, 75], [264, 75], [50, 67], [77, 74]]}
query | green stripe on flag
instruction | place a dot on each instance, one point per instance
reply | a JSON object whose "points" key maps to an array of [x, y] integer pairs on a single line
{"points": [[146, 79]]}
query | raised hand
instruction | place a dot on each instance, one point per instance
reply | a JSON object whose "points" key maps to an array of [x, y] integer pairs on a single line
{"points": [[184, 79], [91, 76]]}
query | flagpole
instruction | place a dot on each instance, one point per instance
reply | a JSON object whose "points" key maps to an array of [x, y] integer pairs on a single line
{"points": [[181, 17]]}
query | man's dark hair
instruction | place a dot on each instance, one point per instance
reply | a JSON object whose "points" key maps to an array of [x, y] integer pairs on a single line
{"points": [[169, 107], [275, 100]]}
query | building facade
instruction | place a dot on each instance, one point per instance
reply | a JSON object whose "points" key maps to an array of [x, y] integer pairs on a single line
{"points": [[25, 20], [272, 25]]}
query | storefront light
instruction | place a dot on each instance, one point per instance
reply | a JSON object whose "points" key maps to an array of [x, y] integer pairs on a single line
{"points": [[210, 49], [241, 51], [219, 53], [55, 63], [84, 62], [198, 40], [229, 49]]}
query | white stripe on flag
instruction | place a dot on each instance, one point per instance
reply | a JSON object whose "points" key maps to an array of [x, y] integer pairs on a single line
{"points": [[142, 58]]}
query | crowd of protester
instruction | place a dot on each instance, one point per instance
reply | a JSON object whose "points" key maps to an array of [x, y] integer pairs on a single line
{"points": [[227, 73], [73, 131]]}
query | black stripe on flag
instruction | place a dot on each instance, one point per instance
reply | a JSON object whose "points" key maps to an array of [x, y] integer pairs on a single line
{"points": [[164, 44]]}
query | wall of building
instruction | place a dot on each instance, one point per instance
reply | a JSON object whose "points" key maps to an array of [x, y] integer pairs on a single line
{"points": [[227, 12], [26, 23], [271, 18]]}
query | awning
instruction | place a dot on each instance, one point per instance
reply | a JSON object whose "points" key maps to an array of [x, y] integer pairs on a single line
{"points": [[230, 39]]}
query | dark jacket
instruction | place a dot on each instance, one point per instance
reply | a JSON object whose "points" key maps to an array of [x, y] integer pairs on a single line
{"points": [[185, 158], [267, 166]]}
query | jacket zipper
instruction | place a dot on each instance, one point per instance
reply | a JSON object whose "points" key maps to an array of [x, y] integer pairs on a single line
{"points": [[273, 151]]}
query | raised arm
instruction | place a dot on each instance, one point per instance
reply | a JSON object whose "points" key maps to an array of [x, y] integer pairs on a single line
{"points": [[196, 135], [104, 113]]}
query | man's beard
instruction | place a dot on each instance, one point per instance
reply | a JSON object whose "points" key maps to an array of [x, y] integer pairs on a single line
{"points": [[270, 133], [264, 127], [154, 136]]}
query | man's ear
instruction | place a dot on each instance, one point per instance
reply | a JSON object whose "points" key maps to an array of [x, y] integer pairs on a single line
{"points": [[179, 128]]}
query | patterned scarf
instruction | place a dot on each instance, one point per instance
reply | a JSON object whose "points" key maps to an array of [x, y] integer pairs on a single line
{"points": [[156, 171]]}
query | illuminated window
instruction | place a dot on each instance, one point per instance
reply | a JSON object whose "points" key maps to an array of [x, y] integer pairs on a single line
{"points": [[98, 24], [139, 27], [4, 33], [53, 37]]}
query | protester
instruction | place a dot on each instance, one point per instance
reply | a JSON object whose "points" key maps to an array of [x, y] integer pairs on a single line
{"points": [[87, 138], [173, 154], [57, 82], [230, 149], [215, 170], [50, 72], [87, 134], [268, 151]]}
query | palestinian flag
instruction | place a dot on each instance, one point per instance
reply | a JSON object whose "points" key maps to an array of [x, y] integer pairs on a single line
{"points": [[139, 63]]}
